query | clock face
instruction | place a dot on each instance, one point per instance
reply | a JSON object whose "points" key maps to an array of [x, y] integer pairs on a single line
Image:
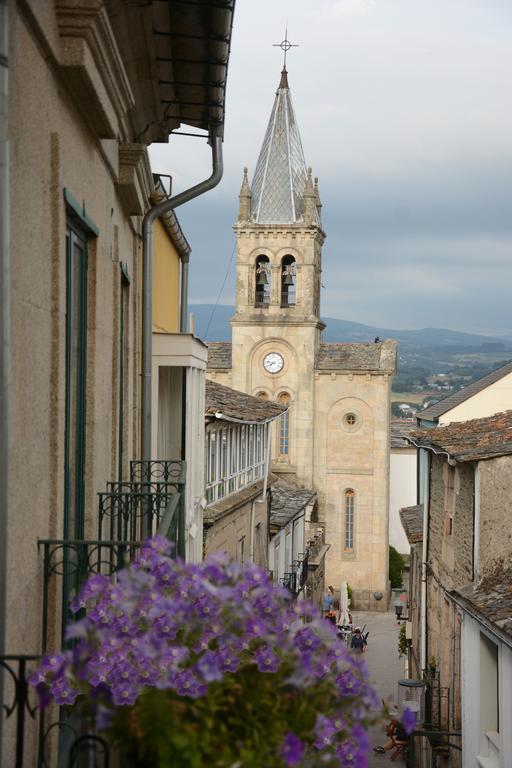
{"points": [[273, 362]]}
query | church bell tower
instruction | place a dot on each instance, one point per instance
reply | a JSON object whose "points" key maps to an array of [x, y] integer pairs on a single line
{"points": [[277, 327]]}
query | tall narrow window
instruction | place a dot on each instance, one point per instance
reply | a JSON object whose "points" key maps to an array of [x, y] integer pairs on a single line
{"points": [[349, 508], [123, 365], [283, 428], [76, 366], [288, 282], [262, 282]]}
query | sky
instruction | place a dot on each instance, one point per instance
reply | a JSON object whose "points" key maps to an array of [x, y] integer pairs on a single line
{"points": [[405, 113]]}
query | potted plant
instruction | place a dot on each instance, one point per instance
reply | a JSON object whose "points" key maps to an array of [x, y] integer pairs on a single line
{"points": [[190, 665], [432, 666]]}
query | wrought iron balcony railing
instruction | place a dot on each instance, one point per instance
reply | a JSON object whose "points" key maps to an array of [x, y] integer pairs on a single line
{"points": [[74, 560]]}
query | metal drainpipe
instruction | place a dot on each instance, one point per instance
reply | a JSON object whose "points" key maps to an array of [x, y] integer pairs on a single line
{"points": [[184, 293], [4, 328], [215, 141]]}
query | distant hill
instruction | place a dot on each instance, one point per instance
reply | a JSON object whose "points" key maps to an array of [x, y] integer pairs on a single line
{"points": [[345, 330]]}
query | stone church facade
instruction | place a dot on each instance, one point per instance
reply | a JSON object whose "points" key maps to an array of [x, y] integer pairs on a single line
{"points": [[334, 437]]}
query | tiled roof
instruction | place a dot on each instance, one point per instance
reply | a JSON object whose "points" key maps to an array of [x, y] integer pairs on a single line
{"points": [[412, 521], [471, 440], [380, 356], [447, 403], [219, 355], [237, 405], [492, 598], [399, 431], [286, 503]]}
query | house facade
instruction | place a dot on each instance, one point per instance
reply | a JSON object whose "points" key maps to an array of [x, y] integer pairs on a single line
{"points": [[91, 84], [297, 547], [237, 471], [463, 641]]}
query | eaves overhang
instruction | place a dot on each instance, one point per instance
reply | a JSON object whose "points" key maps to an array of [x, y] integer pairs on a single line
{"points": [[176, 53]]}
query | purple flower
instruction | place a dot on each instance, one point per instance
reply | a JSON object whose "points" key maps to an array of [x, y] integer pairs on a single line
{"points": [[207, 630], [350, 756], [124, 693], [325, 731], [408, 721], [63, 692], [291, 749], [349, 684], [267, 660]]}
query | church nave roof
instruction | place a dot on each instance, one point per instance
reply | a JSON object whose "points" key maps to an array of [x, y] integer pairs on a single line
{"points": [[380, 356]]}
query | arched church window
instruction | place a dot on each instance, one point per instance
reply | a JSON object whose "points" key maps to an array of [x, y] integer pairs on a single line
{"points": [[262, 395], [262, 282], [288, 282], [283, 428], [349, 499]]}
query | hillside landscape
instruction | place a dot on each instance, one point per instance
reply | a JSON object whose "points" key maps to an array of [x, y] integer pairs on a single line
{"points": [[432, 362]]}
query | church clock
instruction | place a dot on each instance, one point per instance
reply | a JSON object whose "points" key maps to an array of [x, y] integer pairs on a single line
{"points": [[273, 362]]}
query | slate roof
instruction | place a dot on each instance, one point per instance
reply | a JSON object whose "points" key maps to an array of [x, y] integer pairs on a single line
{"points": [[219, 355], [471, 440], [446, 404], [345, 356], [237, 405], [412, 521], [492, 598], [399, 431], [357, 356], [280, 176], [286, 503]]}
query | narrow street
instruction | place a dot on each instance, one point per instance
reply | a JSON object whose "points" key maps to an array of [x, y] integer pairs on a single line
{"points": [[384, 665]]}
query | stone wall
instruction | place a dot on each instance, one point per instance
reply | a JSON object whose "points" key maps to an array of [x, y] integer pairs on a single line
{"points": [[495, 534], [451, 554], [242, 516]]}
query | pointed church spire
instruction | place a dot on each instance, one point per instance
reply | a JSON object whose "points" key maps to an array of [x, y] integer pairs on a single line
{"points": [[280, 177], [244, 211]]}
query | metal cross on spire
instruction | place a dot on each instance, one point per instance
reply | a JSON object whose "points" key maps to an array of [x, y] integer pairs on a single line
{"points": [[285, 46]]}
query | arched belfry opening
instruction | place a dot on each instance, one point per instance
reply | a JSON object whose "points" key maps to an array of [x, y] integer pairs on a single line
{"points": [[262, 282], [288, 282]]}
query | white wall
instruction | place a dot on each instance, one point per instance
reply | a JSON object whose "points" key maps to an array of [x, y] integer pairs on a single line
{"points": [[402, 493], [477, 750], [493, 399]]}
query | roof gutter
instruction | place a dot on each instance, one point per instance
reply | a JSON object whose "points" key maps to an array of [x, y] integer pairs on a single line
{"points": [[152, 214], [219, 415]]}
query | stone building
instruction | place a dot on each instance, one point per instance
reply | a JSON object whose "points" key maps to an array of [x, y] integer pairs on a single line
{"points": [[334, 437], [466, 612]]}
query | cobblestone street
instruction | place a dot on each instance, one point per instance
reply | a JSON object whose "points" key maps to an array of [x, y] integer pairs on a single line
{"points": [[385, 668]]}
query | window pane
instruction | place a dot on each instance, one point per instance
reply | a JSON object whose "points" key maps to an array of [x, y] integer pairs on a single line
{"points": [[349, 519], [76, 339]]}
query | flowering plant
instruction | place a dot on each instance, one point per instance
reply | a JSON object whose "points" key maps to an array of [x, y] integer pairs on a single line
{"points": [[210, 664]]}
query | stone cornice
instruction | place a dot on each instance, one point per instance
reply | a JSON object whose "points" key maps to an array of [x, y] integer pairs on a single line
{"points": [[278, 230], [276, 321], [92, 65], [135, 183]]}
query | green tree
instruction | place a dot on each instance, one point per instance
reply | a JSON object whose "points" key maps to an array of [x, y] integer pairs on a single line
{"points": [[396, 565]]}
